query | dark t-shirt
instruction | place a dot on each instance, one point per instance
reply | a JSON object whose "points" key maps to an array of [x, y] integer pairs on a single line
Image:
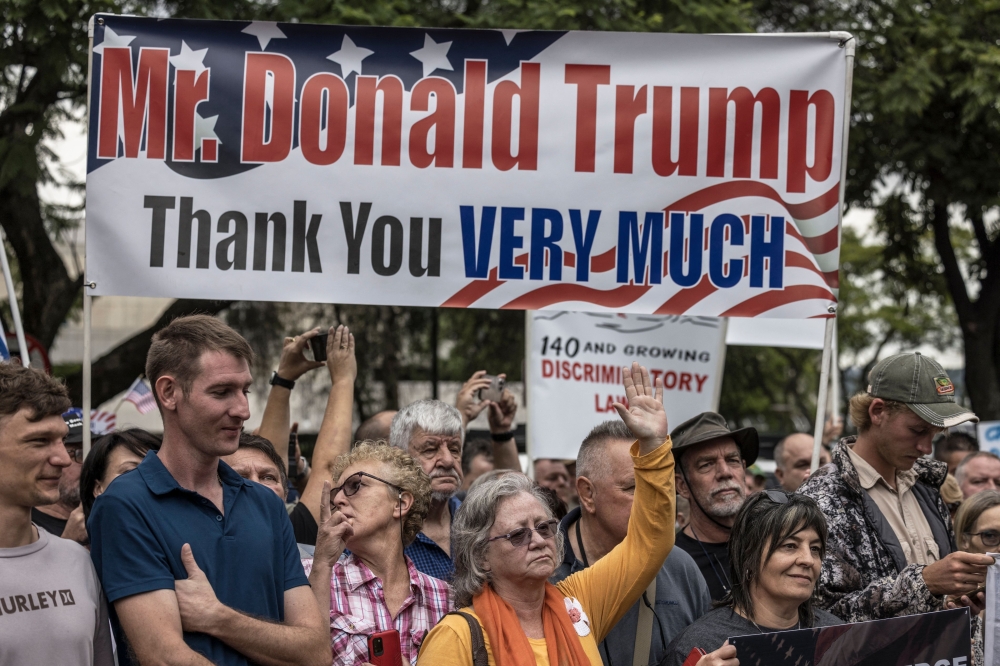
{"points": [[50, 524], [716, 627], [713, 561], [304, 525]]}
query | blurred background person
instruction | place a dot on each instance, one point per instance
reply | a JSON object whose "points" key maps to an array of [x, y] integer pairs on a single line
{"points": [[952, 447], [375, 428], [553, 474], [65, 518], [756, 480], [776, 549], [977, 472], [793, 459], [111, 456], [951, 493], [477, 459]]}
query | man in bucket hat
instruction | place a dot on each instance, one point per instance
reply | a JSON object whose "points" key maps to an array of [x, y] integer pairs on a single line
{"points": [[711, 470], [891, 550]]}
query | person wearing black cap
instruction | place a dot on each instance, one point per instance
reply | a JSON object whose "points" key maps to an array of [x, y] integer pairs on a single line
{"points": [[711, 472], [891, 549], [65, 517]]}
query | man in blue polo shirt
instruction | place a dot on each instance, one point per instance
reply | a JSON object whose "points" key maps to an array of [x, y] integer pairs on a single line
{"points": [[201, 566]]}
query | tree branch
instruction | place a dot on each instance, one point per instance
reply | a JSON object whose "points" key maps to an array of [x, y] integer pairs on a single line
{"points": [[952, 272]]}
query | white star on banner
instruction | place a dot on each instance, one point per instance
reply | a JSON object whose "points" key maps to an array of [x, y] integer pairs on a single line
{"points": [[349, 57], [433, 55], [509, 35], [112, 40], [264, 31], [188, 59], [204, 128]]}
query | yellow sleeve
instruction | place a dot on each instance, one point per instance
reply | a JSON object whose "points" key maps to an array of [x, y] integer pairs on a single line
{"points": [[609, 587], [449, 643]]}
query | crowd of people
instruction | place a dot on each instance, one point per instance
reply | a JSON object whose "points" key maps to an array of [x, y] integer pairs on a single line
{"points": [[213, 545]]}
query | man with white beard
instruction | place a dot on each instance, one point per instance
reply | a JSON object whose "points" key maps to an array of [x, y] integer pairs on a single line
{"points": [[432, 432], [711, 466]]}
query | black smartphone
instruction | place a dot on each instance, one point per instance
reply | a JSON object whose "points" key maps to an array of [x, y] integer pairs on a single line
{"points": [[318, 345]]}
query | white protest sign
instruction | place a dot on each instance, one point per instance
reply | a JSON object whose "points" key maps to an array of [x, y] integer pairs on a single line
{"points": [[574, 371], [649, 173], [988, 434]]}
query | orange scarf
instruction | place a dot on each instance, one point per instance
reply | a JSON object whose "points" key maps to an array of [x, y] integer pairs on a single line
{"points": [[509, 643]]}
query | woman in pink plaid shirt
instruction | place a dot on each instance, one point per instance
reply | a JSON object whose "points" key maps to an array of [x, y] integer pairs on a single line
{"points": [[378, 508]]}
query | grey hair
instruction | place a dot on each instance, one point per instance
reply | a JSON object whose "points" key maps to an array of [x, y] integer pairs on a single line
{"points": [[590, 461], [431, 416], [960, 470], [470, 532]]}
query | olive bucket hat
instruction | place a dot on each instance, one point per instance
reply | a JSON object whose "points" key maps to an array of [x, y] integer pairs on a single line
{"points": [[708, 426], [922, 385]]}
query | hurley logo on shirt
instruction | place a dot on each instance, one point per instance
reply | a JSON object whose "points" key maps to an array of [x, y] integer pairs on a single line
{"points": [[21, 603]]}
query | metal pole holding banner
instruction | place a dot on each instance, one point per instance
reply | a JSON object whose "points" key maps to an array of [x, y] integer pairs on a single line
{"points": [[847, 42], [87, 284], [15, 313]]}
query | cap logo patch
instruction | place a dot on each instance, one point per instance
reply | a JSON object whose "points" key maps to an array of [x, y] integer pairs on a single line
{"points": [[944, 386]]}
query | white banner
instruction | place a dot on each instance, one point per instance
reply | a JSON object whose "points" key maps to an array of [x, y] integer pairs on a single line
{"points": [[650, 173], [574, 371]]}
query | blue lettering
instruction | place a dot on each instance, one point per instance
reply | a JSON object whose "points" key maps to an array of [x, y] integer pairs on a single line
{"points": [[716, 247], [677, 273], [540, 242], [477, 263], [649, 249], [773, 249], [509, 242], [584, 241]]}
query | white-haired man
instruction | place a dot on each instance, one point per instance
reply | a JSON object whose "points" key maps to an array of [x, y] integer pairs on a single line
{"points": [[433, 433]]}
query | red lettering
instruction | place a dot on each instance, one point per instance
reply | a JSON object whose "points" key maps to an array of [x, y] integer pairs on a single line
{"points": [[475, 106], [629, 105], [566, 370], [311, 123], [609, 406], [687, 158], [547, 369], [670, 380], [442, 121], [798, 127], [256, 70], [577, 375], [527, 126], [685, 383], [189, 92], [608, 374], [587, 78], [588, 372], [701, 379], [654, 374], [143, 104], [597, 404], [745, 102], [366, 90]]}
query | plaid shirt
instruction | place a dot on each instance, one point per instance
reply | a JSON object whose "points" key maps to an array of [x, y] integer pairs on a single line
{"points": [[428, 556], [358, 610]]}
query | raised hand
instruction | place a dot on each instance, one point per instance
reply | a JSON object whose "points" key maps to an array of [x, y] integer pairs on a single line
{"points": [[293, 363], [334, 531], [340, 357], [195, 596], [466, 401], [501, 414], [645, 415]]}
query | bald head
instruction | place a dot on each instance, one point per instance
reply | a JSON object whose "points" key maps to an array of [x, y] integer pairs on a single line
{"points": [[793, 457], [376, 427]]}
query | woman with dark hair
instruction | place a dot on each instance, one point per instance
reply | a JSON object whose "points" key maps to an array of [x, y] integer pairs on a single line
{"points": [[111, 456], [776, 551]]}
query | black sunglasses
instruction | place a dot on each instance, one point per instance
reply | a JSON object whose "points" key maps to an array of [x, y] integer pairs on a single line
{"points": [[990, 538], [353, 484], [521, 536]]}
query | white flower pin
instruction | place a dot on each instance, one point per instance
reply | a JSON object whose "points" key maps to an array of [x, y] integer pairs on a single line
{"points": [[577, 616]]}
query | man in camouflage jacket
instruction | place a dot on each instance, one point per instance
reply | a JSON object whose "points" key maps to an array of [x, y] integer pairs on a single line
{"points": [[865, 575]]}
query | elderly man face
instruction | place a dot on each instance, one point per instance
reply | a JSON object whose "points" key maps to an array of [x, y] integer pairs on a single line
{"points": [[978, 474], [715, 477], [440, 456]]}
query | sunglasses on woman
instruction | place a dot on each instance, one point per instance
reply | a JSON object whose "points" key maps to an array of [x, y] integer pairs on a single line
{"points": [[520, 537], [353, 484], [990, 538]]}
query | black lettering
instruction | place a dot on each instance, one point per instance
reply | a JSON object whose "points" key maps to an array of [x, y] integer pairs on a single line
{"points": [[3, 605], [395, 245], [261, 221], [669, 353], [691, 355], [704, 357], [52, 595], [303, 239], [67, 597], [433, 247], [184, 235], [31, 603], [22, 603], [238, 241], [159, 206], [42, 602], [354, 233]]}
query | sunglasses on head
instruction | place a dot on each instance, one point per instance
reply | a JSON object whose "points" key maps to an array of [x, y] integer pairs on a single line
{"points": [[353, 484], [777, 496], [521, 536], [990, 538]]}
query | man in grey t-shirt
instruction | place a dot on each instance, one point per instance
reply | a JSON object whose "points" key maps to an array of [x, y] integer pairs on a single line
{"points": [[52, 610], [606, 483]]}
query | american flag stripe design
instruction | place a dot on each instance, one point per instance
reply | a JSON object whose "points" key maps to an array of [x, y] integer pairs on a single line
{"points": [[141, 396]]}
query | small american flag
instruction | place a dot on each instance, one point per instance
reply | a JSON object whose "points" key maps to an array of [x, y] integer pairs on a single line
{"points": [[4, 352], [141, 396]]}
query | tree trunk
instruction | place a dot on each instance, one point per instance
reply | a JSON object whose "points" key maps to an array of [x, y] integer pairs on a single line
{"points": [[982, 354], [113, 372]]}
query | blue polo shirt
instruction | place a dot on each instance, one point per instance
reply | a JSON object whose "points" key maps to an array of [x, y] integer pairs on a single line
{"points": [[248, 553], [428, 557]]}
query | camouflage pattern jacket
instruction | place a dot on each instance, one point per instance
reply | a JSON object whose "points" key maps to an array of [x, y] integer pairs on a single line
{"points": [[865, 575]]}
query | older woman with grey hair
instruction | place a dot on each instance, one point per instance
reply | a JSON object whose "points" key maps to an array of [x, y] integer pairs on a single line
{"points": [[507, 544]]}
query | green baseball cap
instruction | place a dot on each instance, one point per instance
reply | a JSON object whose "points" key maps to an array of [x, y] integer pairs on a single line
{"points": [[922, 385]]}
